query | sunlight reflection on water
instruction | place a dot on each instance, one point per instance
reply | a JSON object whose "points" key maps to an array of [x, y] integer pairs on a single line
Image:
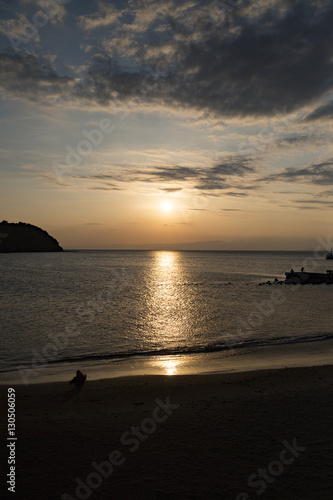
{"points": [[168, 318], [158, 305]]}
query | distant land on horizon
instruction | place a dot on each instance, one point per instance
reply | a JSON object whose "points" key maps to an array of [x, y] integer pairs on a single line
{"points": [[23, 237], [218, 245]]}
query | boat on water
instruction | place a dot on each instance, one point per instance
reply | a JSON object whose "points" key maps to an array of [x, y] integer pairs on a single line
{"points": [[304, 278], [329, 255]]}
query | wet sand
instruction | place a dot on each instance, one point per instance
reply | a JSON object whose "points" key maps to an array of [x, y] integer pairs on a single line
{"points": [[262, 434]]}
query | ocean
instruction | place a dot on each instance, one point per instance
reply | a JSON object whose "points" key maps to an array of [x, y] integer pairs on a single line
{"points": [[112, 313]]}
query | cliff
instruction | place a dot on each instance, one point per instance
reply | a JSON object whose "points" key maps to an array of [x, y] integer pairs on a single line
{"points": [[24, 237]]}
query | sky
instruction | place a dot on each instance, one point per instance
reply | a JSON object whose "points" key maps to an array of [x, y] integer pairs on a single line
{"points": [[168, 124]]}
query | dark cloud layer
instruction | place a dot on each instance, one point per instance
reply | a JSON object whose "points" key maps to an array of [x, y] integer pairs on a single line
{"points": [[223, 174], [298, 140], [320, 174], [246, 60], [29, 76], [325, 111]]}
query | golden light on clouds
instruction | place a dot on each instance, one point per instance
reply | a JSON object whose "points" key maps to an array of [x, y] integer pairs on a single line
{"points": [[213, 167]]}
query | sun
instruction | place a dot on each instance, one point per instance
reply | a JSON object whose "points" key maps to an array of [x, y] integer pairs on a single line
{"points": [[167, 206]]}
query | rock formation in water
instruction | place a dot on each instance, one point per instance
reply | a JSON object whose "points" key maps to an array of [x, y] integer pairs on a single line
{"points": [[22, 237]]}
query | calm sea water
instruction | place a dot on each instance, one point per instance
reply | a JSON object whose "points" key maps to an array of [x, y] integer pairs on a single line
{"points": [[122, 308]]}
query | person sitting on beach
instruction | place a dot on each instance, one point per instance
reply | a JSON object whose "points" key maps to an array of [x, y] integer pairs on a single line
{"points": [[79, 379]]}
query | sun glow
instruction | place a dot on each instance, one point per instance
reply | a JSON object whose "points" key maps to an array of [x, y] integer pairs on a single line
{"points": [[167, 206]]}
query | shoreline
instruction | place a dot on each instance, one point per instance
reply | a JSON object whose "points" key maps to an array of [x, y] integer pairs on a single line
{"points": [[175, 380], [180, 437], [276, 357]]}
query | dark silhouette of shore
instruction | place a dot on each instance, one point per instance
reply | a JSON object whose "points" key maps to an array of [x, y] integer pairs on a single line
{"points": [[22, 237]]}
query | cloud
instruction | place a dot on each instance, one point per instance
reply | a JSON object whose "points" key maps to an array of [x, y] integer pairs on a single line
{"points": [[298, 140], [327, 194], [234, 165], [249, 60], [249, 68], [18, 29], [231, 210], [229, 172], [324, 111], [104, 188], [55, 12], [171, 189], [210, 178], [319, 174], [31, 77], [107, 15], [237, 195], [220, 176], [315, 202], [171, 173], [312, 204]]}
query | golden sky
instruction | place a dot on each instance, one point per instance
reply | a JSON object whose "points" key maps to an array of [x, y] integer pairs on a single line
{"points": [[199, 124]]}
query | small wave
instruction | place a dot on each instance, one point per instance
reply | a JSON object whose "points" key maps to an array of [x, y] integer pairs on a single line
{"points": [[220, 346], [199, 349]]}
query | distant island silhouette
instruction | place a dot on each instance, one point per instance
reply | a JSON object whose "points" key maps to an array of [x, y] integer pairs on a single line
{"points": [[22, 237]]}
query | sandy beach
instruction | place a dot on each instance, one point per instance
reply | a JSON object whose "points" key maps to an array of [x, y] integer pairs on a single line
{"points": [[241, 436]]}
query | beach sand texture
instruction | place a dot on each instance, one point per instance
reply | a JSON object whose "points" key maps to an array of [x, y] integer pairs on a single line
{"points": [[177, 437]]}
